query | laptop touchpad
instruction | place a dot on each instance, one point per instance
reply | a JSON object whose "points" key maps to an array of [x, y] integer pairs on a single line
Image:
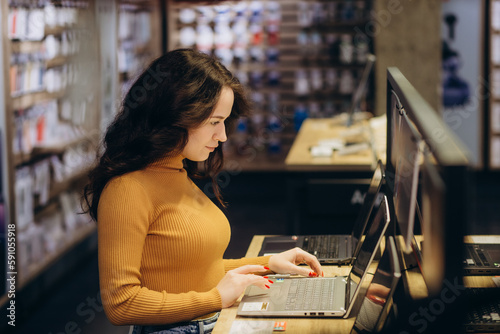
{"points": [[256, 291]]}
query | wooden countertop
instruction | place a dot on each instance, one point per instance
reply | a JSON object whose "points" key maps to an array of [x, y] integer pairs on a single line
{"points": [[331, 325], [314, 130], [294, 325]]}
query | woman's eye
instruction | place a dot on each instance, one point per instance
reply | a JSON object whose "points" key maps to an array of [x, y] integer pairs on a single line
{"points": [[215, 123]]}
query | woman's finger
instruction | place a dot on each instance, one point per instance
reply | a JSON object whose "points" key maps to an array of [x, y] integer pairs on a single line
{"points": [[263, 283], [250, 268], [249, 279], [311, 261]]}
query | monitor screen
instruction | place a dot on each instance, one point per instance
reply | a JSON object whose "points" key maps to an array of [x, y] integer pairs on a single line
{"points": [[432, 206], [369, 201], [396, 109], [406, 177]]}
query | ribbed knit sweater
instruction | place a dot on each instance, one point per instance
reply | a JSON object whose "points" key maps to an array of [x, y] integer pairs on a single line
{"points": [[161, 243]]}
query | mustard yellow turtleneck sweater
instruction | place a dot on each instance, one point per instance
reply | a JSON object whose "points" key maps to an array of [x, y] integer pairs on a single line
{"points": [[161, 243]]}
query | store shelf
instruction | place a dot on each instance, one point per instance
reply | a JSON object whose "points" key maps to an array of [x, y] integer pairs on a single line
{"points": [[58, 61], [37, 268], [60, 187], [26, 46], [27, 100], [44, 151], [47, 209], [35, 106], [58, 30]]}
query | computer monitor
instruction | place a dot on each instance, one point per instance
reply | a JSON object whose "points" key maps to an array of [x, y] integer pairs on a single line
{"points": [[449, 159], [433, 192], [406, 172], [449, 155], [358, 94]]}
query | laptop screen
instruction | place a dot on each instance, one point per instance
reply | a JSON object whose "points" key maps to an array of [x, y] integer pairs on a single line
{"points": [[369, 248], [368, 204], [377, 301]]}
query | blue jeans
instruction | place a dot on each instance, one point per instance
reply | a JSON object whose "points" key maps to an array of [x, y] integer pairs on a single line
{"points": [[204, 326]]}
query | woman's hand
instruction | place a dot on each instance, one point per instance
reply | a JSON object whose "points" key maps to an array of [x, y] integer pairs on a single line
{"points": [[287, 263], [234, 283]]}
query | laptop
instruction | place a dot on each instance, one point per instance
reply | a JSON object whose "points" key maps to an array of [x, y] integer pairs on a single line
{"points": [[332, 248], [482, 259], [375, 309], [483, 310], [321, 296], [360, 89]]}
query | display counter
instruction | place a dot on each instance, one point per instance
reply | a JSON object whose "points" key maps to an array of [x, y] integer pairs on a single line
{"points": [[412, 278], [330, 167]]}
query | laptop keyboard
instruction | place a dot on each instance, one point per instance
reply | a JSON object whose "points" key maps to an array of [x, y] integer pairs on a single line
{"points": [[475, 256], [323, 246], [310, 294], [485, 306]]}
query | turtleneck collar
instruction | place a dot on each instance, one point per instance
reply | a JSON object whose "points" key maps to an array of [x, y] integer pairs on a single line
{"points": [[169, 162]]}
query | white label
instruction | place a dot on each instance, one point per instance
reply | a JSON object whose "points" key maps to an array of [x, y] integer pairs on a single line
{"points": [[255, 306]]}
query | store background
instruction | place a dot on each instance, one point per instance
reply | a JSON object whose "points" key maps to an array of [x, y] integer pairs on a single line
{"points": [[464, 38], [105, 48]]}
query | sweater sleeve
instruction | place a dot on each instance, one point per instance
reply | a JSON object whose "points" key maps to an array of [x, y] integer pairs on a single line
{"points": [[124, 216], [230, 264]]}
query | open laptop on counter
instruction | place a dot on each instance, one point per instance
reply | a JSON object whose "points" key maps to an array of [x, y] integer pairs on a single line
{"points": [[321, 296], [332, 248], [482, 259]]}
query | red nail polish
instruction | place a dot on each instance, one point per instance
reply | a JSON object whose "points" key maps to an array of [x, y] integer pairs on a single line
{"points": [[265, 276], [270, 281], [267, 268], [267, 286], [312, 274]]}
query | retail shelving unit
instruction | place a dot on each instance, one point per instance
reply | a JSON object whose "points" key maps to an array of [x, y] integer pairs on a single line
{"points": [[298, 59], [50, 111], [493, 61], [131, 36], [54, 110], [3, 190], [139, 38]]}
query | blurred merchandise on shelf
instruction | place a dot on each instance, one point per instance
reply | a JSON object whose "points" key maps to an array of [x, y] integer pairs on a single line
{"points": [[134, 37], [52, 54], [289, 54], [50, 123], [42, 240]]}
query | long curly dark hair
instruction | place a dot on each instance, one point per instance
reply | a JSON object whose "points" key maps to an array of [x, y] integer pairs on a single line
{"points": [[177, 92]]}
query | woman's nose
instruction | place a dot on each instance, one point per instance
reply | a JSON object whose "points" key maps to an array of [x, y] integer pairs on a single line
{"points": [[220, 135]]}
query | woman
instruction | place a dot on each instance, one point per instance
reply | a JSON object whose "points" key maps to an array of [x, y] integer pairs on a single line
{"points": [[161, 240]]}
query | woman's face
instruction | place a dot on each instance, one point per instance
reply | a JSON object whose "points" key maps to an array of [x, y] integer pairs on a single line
{"points": [[204, 139]]}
